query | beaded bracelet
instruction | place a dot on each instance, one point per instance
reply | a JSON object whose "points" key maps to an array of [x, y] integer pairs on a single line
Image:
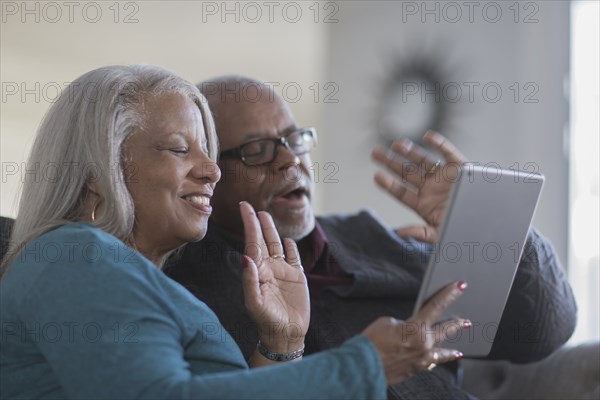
{"points": [[279, 356]]}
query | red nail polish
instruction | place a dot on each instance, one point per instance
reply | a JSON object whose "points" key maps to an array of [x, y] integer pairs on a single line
{"points": [[462, 285], [245, 262], [458, 355]]}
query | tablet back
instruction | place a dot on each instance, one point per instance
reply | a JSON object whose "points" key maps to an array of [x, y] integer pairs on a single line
{"points": [[481, 241]]}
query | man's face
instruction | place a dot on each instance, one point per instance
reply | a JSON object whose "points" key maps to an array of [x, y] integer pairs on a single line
{"points": [[282, 187]]}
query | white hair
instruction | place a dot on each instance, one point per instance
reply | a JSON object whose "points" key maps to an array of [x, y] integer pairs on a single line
{"points": [[81, 140]]}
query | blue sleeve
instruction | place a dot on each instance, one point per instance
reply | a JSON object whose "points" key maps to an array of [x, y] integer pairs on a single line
{"points": [[352, 371], [97, 304]]}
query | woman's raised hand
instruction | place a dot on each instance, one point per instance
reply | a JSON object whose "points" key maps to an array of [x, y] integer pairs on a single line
{"points": [[408, 347], [275, 288]]}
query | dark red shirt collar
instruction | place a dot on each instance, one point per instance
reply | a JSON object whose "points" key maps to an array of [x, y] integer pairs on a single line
{"points": [[321, 268], [317, 240]]}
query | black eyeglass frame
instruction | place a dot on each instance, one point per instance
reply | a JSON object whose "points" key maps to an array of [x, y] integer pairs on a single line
{"points": [[236, 152]]}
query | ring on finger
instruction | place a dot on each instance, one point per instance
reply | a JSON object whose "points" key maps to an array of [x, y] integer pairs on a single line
{"points": [[276, 256], [436, 358], [434, 168]]}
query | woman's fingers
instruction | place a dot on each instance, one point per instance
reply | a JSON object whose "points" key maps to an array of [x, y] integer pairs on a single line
{"points": [[411, 346], [434, 308], [262, 238], [450, 329], [255, 245], [441, 355], [271, 237], [251, 284], [292, 254], [405, 348]]}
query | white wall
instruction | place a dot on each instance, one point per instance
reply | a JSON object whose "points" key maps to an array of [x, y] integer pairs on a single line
{"points": [[192, 38], [349, 52], [373, 39]]}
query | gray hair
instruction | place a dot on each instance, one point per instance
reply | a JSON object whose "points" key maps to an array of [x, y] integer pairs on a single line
{"points": [[81, 139]]}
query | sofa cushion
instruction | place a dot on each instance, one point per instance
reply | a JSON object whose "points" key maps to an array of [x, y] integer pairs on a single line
{"points": [[569, 373]]}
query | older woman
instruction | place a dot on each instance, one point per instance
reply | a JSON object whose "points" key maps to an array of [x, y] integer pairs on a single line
{"points": [[86, 311]]}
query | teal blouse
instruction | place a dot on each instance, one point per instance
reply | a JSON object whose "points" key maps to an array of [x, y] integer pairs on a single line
{"points": [[85, 316]]}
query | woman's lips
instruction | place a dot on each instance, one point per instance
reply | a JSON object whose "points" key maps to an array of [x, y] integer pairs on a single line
{"points": [[199, 202]]}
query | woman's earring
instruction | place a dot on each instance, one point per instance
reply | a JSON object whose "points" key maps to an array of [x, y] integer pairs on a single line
{"points": [[94, 212]]}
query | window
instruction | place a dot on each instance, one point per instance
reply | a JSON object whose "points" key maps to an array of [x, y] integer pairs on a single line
{"points": [[583, 197]]}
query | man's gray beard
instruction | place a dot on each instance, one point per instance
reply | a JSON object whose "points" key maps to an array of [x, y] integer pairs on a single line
{"points": [[295, 232]]}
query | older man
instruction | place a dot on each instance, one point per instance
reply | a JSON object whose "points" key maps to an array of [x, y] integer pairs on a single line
{"points": [[357, 269]]}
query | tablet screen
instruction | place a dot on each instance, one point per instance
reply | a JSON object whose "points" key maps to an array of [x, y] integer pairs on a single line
{"points": [[481, 242]]}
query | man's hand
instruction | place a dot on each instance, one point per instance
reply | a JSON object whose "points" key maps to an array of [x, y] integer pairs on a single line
{"points": [[275, 288], [421, 183]]}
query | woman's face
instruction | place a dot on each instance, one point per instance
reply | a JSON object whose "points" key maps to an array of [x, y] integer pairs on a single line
{"points": [[170, 175]]}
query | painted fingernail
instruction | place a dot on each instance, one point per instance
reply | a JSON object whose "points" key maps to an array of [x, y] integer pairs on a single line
{"points": [[458, 355], [462, 285], [467, 324]]}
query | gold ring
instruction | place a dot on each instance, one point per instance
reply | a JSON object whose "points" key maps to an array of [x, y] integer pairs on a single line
{"points": [[434, 167], [436, 358], [277, 256]]}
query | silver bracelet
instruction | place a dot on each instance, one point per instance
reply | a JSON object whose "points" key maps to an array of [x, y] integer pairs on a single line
{"points": [[279, 356]]}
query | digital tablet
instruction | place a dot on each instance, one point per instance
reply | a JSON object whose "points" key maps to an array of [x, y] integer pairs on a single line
{"points": [[481, 241]]}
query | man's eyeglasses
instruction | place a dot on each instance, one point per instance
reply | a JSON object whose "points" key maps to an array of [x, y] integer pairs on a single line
{"points": [[262, 151]]}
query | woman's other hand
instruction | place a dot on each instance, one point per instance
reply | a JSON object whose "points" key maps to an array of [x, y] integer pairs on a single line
{"points": [[408, 347]]}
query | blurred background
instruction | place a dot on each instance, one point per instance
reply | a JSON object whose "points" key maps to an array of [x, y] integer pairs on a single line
{"points": [[511, 83]]}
